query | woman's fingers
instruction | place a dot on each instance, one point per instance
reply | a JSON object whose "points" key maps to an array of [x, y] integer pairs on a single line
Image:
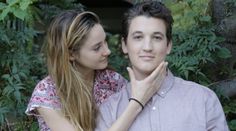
{"points": [[157, 72], [131, 74], [143, 90]]}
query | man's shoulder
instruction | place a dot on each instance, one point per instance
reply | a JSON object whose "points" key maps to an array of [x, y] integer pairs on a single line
{"points": [[192, 86]]}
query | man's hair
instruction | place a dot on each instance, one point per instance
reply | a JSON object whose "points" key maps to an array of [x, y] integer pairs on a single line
{"points": [[153, 9]]}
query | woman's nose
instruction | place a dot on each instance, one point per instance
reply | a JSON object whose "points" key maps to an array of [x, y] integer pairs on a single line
{"points": [[106, 50]]}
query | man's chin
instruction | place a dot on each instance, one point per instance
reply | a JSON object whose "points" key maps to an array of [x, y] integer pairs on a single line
{"points": [[147, 71]]}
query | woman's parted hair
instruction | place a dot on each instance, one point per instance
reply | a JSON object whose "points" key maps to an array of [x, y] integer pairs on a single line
{"points": [[67, 32]]}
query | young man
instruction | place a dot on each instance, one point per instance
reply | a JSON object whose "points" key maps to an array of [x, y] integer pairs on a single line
{"points": [[178, 105]]}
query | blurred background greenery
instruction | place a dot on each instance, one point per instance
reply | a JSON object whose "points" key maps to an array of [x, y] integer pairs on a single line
{"points": [[203, 51]]}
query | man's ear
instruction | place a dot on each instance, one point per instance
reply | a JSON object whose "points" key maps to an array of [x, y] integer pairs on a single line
{"points": [[124, 46], [169, 47]]}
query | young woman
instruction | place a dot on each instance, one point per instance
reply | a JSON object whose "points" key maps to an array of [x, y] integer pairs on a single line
{"points": [[78, 79]]}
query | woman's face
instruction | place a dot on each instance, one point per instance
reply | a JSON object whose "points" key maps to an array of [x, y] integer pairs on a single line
{"points": [[93, 54]]}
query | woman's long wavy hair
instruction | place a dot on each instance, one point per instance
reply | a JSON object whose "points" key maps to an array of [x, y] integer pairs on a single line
{"points": [[67, 32]]}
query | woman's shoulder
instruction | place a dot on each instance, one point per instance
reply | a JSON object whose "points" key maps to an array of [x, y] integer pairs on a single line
{"points": [[44, 95], [110, 75], [111, 78], [107, 82], [46, 86]]}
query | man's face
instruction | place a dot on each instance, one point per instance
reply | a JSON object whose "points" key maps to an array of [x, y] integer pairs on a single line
{"points": [[146, 44]]}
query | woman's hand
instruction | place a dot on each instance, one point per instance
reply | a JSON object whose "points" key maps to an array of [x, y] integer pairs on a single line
{"points": [[144, 89]]}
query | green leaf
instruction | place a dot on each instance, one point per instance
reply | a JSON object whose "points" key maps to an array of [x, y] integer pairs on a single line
{"points": [[17, 77], [14, 69], [205, 18], [24, 4], [8, 90], [224, 53], [3, 110], [232, 125], [17, 95], [12, 2], [4, 13], [2, 6], [6, 76], [20, 13]]}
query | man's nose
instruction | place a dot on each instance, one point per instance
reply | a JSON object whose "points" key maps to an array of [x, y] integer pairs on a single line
{"points": [[147, 45]]}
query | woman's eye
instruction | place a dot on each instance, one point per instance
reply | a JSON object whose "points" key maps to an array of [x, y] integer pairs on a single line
{"points": [[97, 48]]}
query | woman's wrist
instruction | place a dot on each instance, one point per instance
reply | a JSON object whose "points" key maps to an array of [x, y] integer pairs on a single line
{"points": [[137, 101]]}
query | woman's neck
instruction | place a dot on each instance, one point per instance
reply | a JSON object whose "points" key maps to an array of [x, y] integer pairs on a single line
{"points": [[89, 75]]}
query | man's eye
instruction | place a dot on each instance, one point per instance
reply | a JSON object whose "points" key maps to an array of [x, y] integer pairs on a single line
{"points": [[138, 37], [157, 38]]}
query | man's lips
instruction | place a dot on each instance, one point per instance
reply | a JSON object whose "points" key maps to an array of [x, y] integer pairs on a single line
{"points": [[147, 57]]}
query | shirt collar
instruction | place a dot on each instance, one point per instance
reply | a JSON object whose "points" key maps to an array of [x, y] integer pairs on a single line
{"points": [[166, 85]]}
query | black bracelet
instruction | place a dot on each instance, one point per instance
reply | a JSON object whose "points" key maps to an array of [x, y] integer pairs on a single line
{"points": [[137, 102]]}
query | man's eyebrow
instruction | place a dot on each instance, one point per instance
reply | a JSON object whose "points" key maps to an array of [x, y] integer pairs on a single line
{"points": [[137, 32], [158, 33], [155, 33]]}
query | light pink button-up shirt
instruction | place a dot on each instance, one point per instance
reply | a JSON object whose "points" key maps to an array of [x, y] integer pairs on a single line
{"points": [[179, 105]]}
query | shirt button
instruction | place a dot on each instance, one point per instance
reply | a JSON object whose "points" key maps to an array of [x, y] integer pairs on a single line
{"points": [[154, 108], [162, 93]]}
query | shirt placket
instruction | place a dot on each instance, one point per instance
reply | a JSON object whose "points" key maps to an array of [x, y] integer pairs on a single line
{"points": [[154, 114]]}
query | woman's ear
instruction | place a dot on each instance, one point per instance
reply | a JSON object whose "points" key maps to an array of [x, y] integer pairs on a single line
{"points": [[124, 46], [71, 55]]}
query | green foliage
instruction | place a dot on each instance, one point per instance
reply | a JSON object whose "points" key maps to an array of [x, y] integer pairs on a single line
{"points": [[19, 8], [195, 45], [20, 69], [193, 50], [54, 7], [117, 59], [189, 14], [20, 65], [229, 6], [229, 106]]}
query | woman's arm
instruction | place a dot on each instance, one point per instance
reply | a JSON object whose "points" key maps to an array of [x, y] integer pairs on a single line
{"points": [[142, 91], [55, 120]]}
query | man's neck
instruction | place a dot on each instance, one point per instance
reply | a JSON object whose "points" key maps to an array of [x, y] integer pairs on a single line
{"points": [[140, 75]]}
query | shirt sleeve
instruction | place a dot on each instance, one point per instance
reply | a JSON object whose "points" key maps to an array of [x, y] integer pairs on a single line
{"points": [[44, 95], [104, 119], [102, 124], [214, 114], [112, 109]]}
